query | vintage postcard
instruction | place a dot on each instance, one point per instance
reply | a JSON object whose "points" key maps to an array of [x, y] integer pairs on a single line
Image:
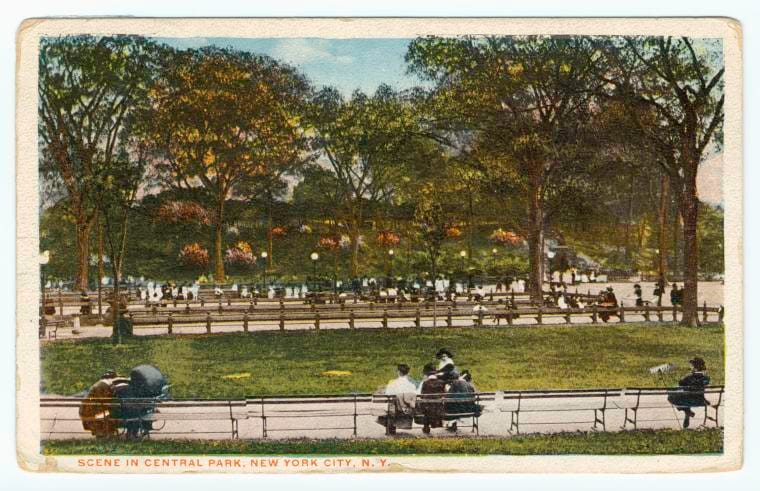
{"points": [[379, 245]]}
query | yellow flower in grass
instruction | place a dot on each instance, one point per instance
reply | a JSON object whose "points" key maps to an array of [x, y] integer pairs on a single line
{"points": [[336, 373], [237, 376]]}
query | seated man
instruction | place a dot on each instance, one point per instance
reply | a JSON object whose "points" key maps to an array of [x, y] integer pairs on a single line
{"points": [[430, 408], [691, 390], [401, 412]]}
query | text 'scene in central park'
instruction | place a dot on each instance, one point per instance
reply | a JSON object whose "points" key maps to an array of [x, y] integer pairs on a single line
{"points": [[523, 233]]}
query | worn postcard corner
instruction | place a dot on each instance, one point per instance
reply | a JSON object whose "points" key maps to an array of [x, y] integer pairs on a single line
{"points": [[379, 245]]}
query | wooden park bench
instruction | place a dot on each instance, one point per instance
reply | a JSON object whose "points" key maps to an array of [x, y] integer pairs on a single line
{"points": [[636, 399], [447, 407], [341, 411], [592, 402]]}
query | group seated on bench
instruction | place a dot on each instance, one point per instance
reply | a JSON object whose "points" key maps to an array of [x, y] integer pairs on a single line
{"points": [[444, 397]]}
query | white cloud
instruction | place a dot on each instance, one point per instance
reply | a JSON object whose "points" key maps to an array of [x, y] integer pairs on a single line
{"points": [[302, 51]]}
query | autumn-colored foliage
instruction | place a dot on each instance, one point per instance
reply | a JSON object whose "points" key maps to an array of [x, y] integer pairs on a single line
{"points": [[279, 231]]}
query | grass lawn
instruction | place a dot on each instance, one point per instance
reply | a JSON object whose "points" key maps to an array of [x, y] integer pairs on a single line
{"points": [[622, 443], [266, 363]]}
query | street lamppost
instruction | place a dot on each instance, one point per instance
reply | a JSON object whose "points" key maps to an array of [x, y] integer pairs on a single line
{"points": [[462, 256], [44, 260], [495, 252], [390, 271], [314, 258], [264, 267]]}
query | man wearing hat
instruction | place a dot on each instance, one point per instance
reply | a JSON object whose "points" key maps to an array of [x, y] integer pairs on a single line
{"points": [[691, 390], [430, 402]]}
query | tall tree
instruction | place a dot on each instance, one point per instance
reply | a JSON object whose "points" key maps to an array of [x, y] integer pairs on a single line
{"points": [[223, 117], [87, 88], [360, 139], [675, 89], [528, 97]]}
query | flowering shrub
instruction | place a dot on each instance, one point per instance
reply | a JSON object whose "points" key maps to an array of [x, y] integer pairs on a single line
{"points": [[504, 237], [194, 255], [329, 242], [184, 211], [278, 231], [241, 254], [453, 232], [304, 229], [387, 238]]}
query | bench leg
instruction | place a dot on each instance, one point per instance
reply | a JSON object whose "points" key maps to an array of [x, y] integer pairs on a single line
{"points": [[514, 423], [627, 420], [599, 419]]}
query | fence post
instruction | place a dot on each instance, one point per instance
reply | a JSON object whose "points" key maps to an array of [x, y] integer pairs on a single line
{"points": [[187, 306], [622, 312], [372, 305], [417, 318], [385, 318], [255, 300], [646, 312], [509, 315], [282, 304], [540, 316], [594, 313], [316, 321], [229, 301], [351, 320], [675, 313], [250, 306], [219, 309], [171, 323], [704, 312], [512, 293], [721, 313], [448, 318], [203, 302], [208, 322], [60, 303], [245, 322], [480, 318], [659, 313], [282, 320], [174, 301]]}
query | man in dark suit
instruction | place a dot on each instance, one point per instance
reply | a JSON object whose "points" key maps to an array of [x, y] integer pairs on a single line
{"points": [[430, 401]]}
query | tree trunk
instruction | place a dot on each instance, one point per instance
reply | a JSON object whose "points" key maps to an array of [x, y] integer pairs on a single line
{"points": [[218, 232], [115, 304], [101, 266], [662, 259], [535, 240], [82, 278], [269, 235], [690, 215]]}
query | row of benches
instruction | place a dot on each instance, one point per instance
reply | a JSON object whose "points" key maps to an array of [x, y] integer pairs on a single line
{"points": [[342, 411]]}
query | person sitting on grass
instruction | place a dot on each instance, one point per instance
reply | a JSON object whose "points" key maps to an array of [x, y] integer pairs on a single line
{"points": [[691, 390]]}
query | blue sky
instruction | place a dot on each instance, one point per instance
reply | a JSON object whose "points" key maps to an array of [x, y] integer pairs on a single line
{"points": [[346, 64]]}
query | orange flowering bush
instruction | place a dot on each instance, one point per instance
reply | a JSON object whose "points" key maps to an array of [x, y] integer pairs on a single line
{"points": [[194, 255], [453, 232], [278, 231], [329, 242], [240, 254], [505, 237], [387, 238]]}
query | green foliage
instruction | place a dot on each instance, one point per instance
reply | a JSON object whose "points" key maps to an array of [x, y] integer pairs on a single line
{"points": [[640, 442], [710, 233], [560, 357]]}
